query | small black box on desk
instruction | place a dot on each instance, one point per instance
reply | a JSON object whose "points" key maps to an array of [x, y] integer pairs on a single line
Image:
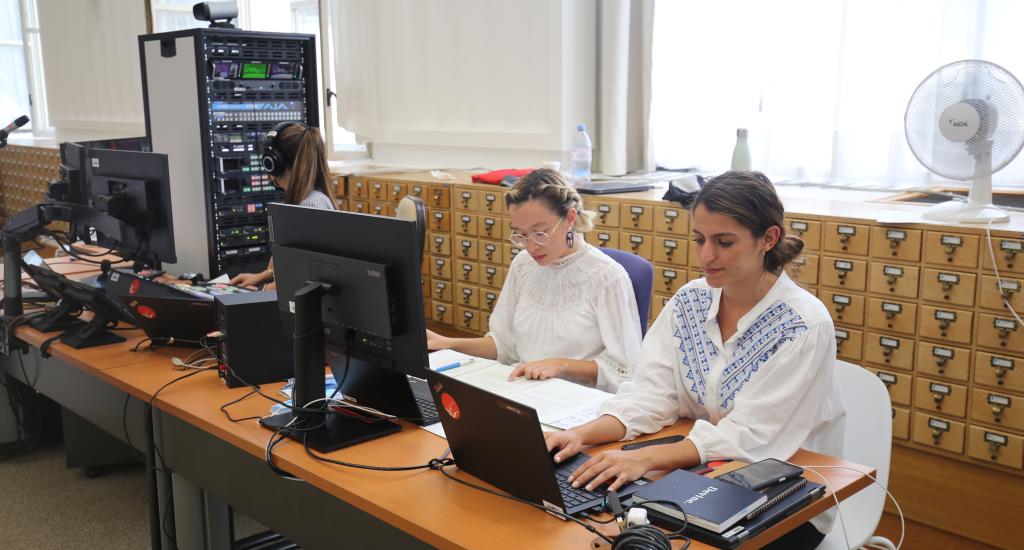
{"points": [[254, 345]]}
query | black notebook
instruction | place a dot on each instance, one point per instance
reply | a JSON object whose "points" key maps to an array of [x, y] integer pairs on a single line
{"points": [[710, 503], [748, 528]]}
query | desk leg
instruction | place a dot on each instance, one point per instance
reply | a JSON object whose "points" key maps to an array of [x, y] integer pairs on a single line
{"points": [[201, 520]]}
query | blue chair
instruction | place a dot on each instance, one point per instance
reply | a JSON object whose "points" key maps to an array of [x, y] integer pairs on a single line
{"points": [[641, 274]]}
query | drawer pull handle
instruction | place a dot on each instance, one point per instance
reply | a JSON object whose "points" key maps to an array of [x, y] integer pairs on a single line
{"points": [[997, 412], [993, 450], [1000, 375], [937, 435], [938, 397]]}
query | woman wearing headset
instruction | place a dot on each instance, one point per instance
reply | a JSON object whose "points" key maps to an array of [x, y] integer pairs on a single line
{"points": [[296, 160]]}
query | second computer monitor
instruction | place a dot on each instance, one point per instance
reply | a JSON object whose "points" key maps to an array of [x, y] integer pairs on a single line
{"points": [[134, 187], [375, 313]]}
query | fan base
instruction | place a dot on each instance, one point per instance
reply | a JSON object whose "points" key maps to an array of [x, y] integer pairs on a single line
{"points": [[964, 212]]}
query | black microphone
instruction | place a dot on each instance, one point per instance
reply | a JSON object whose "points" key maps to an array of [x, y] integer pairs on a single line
{"points": [[18, 123]]}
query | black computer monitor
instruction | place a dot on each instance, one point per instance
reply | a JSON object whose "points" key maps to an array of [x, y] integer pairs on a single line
{"points": [[133, 187], [72, 173], [75, 297], [365, 272]]}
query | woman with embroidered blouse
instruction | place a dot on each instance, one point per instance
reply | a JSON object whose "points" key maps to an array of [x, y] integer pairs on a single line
{"points": [[744, 351], [566, 309]]}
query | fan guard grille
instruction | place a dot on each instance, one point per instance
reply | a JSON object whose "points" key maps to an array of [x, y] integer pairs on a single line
{"points": [[959, 81]]}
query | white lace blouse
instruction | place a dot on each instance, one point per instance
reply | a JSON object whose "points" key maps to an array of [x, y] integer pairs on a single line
{"points": [[580, 307]]}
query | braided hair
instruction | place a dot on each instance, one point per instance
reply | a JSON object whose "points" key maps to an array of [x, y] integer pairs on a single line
{"points": [[550, 187]]}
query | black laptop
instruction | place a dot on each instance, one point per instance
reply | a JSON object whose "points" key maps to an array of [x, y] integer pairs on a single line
{"points": [[181, 321], [501, 442]]}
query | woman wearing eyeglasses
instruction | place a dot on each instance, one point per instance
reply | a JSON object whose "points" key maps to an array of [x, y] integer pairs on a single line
{"points": [[566, 309]]}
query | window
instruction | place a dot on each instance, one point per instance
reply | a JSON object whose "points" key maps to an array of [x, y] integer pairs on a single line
{"points": [[822, 85], [297, 16], [21, 60]]}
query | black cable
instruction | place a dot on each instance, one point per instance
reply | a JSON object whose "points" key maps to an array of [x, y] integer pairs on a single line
{"points": [[649, 537], [224, 407], [44, 348], [314, 456], [124, 424]]}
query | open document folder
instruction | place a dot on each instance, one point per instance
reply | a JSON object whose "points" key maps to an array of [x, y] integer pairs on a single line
{"points": [[559, 403]]}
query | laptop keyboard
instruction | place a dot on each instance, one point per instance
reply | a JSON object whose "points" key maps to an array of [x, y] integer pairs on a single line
{"points": [[427, 410], [575, 496]]}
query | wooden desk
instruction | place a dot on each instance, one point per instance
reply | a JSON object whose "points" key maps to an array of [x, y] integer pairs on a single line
{"points": [[337, 505], [226, 458]]}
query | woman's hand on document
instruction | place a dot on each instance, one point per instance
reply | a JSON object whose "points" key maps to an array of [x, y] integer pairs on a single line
{"points": [[539, 370]]}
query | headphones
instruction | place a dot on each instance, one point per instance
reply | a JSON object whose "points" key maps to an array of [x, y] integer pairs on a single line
{"points": [[274, 161]]}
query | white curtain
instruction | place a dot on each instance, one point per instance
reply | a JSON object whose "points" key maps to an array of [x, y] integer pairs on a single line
{"points": [[822, 85], [624, 92]]}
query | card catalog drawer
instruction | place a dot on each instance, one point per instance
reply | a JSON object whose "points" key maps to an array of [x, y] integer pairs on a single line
{"points": [[939, 433], [896, 243], [995, 447], [999, 408], [940, 397], [846, 238], [948, 287], [943, 360], [952, 249], [889, 350], [1001, 371]]}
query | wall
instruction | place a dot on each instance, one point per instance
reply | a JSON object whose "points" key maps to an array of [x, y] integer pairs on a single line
{"points": [[91, 62], [465, 83]]}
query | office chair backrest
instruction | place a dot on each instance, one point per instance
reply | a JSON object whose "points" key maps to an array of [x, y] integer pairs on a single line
{"points": [[868, 441], [412, 208], [641, 275]]}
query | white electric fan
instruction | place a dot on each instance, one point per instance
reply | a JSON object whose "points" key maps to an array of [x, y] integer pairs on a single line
{"points": [[965, 121]]}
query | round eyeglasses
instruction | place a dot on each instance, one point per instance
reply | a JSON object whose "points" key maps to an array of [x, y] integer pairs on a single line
{"points": [[539, 238]]}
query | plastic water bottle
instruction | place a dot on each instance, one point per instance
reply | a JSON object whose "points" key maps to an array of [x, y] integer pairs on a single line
{"points": [[580, 157], [741, 154]]}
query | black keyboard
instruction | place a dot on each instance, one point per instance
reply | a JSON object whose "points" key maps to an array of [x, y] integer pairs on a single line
{"points": [[427, 410], [575, 496]]}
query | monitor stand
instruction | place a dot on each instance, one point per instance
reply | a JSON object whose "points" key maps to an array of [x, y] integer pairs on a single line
{"points": [[324, 429], [91, 334]]}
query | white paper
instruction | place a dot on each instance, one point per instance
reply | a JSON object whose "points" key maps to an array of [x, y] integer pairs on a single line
{"points": [[445, 357], [223, 278], [435, 429]]}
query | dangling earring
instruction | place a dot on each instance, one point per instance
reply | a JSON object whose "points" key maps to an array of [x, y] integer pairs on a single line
{"points": [[569, 239]]}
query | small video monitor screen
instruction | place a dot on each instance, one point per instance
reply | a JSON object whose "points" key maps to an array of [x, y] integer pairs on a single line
{"points": [[254, 70]]}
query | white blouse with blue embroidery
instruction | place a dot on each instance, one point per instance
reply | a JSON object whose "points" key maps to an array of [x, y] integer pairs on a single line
{"points": [[764, 393]]}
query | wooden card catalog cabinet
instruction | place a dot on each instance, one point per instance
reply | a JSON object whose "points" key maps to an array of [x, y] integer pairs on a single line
{"points": [[396, 191], [995, 291], [808, 230], [995, 447], [490, 227], [900, 423], [670, 250], [487, 299], [948, 287], [607, 214], [896, 244], [1009, 255], [1002, 371], [891, 315], [442, 291], [638, 243], [849, 343], [443, 313], [803, 269], [637, 216], [899, 385], [941, 397], [467, 249], [939, 433], [846, 238], [440, 267], [467, 295], [943, 360], [951, 325], [468, 272], [493, 203], [894, 279], [952, 249], [997, 408], [466, 224], [604, 238], [844, 273], [490, 251], [468, 200], [468, 319], [671, 220], [844, 308], [439, 243], [892, 351], [1000, 332]]}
